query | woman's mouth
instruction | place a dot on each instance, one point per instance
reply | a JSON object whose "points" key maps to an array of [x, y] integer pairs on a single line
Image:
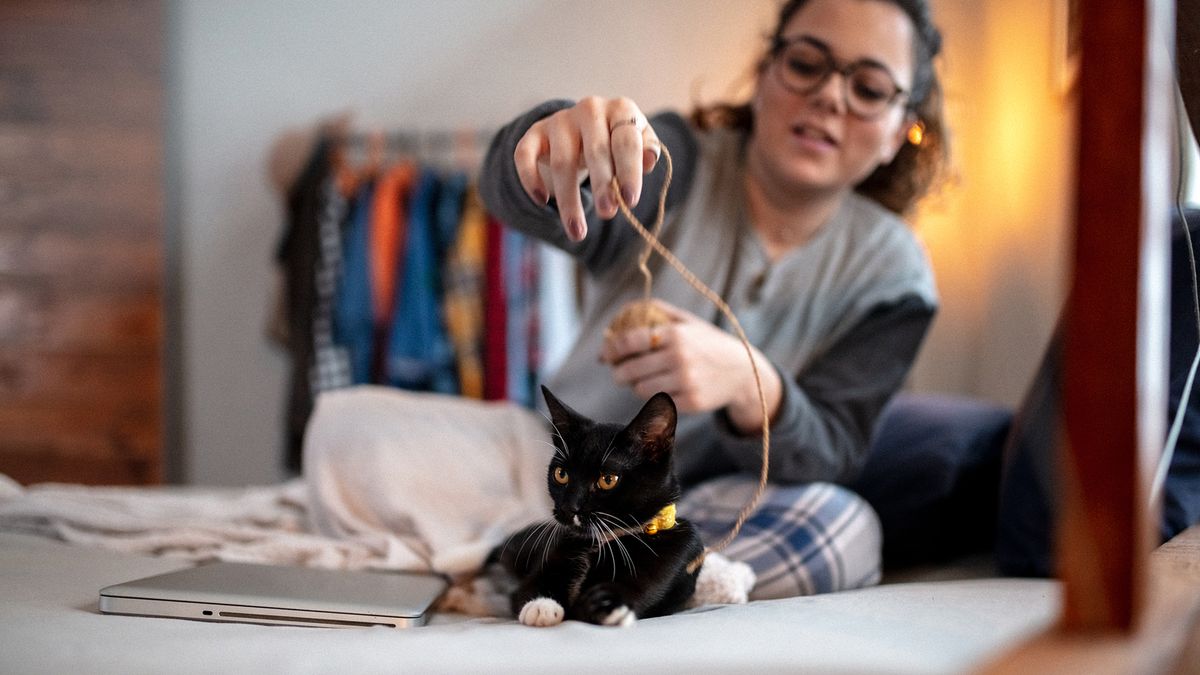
{"points": [[814, 136]]}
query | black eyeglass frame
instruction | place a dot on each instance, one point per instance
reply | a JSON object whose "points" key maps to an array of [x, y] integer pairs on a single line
{"points": [[780, 44]]}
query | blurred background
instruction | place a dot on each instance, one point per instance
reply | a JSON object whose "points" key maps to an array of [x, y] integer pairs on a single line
{"points": [[146, 145]]}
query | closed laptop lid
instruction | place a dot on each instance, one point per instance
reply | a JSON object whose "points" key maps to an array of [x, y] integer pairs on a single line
{"points": [[395, 594]]}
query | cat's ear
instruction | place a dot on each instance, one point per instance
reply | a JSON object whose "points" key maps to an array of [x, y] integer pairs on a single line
{"points": [[561, 415], [654, 427]]}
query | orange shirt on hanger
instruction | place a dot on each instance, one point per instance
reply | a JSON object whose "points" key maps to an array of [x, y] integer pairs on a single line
{"points": [[389, 216]]}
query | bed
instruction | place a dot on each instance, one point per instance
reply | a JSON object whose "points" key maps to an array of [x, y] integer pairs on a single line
{"points": [[50, 622], [59, 544]]}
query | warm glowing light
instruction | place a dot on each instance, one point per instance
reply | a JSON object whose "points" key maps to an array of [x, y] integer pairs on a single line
{"points": [[916, 133]]}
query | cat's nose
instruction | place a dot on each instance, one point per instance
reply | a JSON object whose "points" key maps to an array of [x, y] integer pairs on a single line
{"points": [[569, 515]]}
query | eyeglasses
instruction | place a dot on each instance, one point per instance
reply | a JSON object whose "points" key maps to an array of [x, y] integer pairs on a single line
{"points": [[804, 64]]}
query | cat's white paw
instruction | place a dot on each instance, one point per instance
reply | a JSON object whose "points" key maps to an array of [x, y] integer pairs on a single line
{"points": [[621, 616], [541, 612], [722, 582]]}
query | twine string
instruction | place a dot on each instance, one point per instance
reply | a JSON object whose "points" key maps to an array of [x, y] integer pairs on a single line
{"points": [[654, 245]]}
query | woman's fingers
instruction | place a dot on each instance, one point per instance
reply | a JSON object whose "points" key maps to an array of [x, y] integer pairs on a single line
{"points": [[618, 347], [652, 385], [532, 147], [565, 161], [627, 125], [604, 139], [648, 374], [597, 155], [638, 368], [640, 160]]}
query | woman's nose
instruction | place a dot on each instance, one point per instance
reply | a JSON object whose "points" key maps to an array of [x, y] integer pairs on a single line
{"points": [[831, 95]]}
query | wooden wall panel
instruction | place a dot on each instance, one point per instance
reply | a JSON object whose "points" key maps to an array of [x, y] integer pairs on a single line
{"points": [[81, 240]]}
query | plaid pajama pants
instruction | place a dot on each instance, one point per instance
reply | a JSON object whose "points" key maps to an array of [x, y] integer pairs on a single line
{"points": [[802, 540]]}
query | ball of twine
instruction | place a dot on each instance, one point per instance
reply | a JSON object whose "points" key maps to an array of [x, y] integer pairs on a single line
{"points": [[638, 314]]}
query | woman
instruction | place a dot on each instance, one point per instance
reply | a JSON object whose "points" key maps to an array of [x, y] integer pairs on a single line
{"points": [[788, 207]]}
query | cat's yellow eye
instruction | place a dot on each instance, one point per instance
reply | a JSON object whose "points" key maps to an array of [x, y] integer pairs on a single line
{"points": [[560, 475], [608, 481]]}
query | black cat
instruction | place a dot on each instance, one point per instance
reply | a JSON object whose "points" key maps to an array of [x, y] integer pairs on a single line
{"points": [[614, 550]]}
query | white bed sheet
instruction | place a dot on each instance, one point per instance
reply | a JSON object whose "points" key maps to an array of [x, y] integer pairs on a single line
{"points": [[49, 623]]}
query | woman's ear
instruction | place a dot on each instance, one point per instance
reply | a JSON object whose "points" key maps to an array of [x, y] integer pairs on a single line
{"points": [[897, 139]]}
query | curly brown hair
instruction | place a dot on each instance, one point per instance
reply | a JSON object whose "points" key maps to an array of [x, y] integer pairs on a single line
{"points": [[916, 169]]}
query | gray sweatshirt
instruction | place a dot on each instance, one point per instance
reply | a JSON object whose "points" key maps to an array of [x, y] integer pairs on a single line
{"points": [[840, 317]]}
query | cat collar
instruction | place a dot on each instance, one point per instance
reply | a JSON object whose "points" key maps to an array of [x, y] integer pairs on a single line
{"points": [[663, 520]]}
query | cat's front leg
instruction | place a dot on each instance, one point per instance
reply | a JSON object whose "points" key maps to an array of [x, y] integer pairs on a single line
{"points": [[541, 611], [604, 604], [537, 604]]}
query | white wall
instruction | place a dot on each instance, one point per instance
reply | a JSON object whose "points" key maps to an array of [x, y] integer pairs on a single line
{"points": [[998, 235], [245, 71]]}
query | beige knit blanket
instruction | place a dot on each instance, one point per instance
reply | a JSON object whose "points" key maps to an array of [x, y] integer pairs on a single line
{"points": [[392, 480]]}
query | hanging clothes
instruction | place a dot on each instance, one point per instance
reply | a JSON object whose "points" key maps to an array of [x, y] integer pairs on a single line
{"points": [[353, 316], [495, 315], [463, 282], [389, 208], [330, 367], [531, 276], [558, 314], [388, 234], [398, 276], [297, 255], [448, 214], [520, 286], [419, 356]]}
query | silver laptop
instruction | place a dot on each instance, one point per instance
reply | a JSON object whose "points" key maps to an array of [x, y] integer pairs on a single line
{"points": [[268, 594]]}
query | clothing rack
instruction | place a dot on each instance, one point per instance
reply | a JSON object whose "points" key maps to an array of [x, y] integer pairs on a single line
{"points": [[398, 276], [462, 148]]}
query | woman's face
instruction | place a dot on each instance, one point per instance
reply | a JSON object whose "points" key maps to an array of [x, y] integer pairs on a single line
{"points": [[812, 141]]}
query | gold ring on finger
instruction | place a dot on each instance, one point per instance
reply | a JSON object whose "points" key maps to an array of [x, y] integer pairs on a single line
{"points": [[620, 123], [655, 339]]}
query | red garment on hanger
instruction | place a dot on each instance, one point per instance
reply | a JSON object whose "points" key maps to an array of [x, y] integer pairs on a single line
{"points": [[495, 317]]}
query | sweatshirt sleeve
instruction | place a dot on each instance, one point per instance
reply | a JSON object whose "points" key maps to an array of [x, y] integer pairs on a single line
{"points": [[828, 412], [607, 240]]}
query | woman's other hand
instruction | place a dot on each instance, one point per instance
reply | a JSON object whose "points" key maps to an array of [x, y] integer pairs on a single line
{"points": [[701, 366], [597, 138]]}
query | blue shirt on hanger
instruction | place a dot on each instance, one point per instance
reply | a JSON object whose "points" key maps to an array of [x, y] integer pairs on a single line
{"points": [[419, 354], [353, 321]]}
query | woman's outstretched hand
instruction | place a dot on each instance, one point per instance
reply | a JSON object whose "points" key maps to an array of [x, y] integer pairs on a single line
{"points": [[597, 138], [701, 366]]}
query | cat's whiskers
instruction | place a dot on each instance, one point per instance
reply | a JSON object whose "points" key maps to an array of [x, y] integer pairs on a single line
{"points": [[509, 539], [558, 452], [598, 537], [635, 531], [555, 532], [608, 450], [608, 523], [609, 544], [527, 539], [615, 543], [536, 536], [558, 433], [549, 533], [622, 528]]}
